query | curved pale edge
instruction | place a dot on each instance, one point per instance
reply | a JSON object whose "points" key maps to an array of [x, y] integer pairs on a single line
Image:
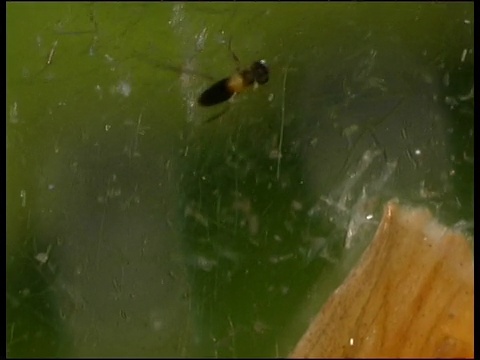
{"points": [[411, 295]]}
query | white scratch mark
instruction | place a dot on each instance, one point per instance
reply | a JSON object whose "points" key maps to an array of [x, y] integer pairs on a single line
{"points": [[282, 125], [52, 52], [464, 55]]}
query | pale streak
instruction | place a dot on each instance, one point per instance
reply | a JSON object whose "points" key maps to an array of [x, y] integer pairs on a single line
{"points": [[280, 142]]}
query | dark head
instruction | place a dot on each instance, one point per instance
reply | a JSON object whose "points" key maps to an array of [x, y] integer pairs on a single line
{"points": [[260, 71]]}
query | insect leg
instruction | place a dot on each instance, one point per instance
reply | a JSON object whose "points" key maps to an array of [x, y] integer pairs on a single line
{"points": [[235, 57], [216, 116]]}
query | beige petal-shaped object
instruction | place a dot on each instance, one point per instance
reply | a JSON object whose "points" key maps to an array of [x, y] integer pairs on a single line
{"points": [[411, 295]]}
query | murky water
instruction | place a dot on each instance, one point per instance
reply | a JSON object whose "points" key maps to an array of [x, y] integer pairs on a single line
{"points": [[134, 228]]}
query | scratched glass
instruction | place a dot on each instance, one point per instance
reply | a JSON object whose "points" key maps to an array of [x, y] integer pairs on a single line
{"points": [[136, 228]]}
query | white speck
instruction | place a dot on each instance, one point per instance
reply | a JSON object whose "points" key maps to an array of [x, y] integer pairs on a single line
{"points": [[418, 152], [99, 91], [296, 205], [349, 131], [464, 55], [25, 72], [25, 292], [124, 88], [39, 40], [51, 186], [270, 97], [280, 258], [108, 57], [275, 154], [260, 327], [43, 256], [446, 79], [428, 78], [201, 38], [157, 325], [351, 341], [369, 217], [205, 264], [14, 113], [156, 320], [78, 270], [91, 50], [107, 127], [23, 196], [466, 21], [451, 101], [177, 16], [467, 96]]}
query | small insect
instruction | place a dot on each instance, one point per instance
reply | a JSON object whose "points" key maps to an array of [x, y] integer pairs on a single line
{"points": [[224, 89]]}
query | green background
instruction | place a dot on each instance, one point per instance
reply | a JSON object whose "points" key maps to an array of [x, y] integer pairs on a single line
{"points": [[135, 228]]}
